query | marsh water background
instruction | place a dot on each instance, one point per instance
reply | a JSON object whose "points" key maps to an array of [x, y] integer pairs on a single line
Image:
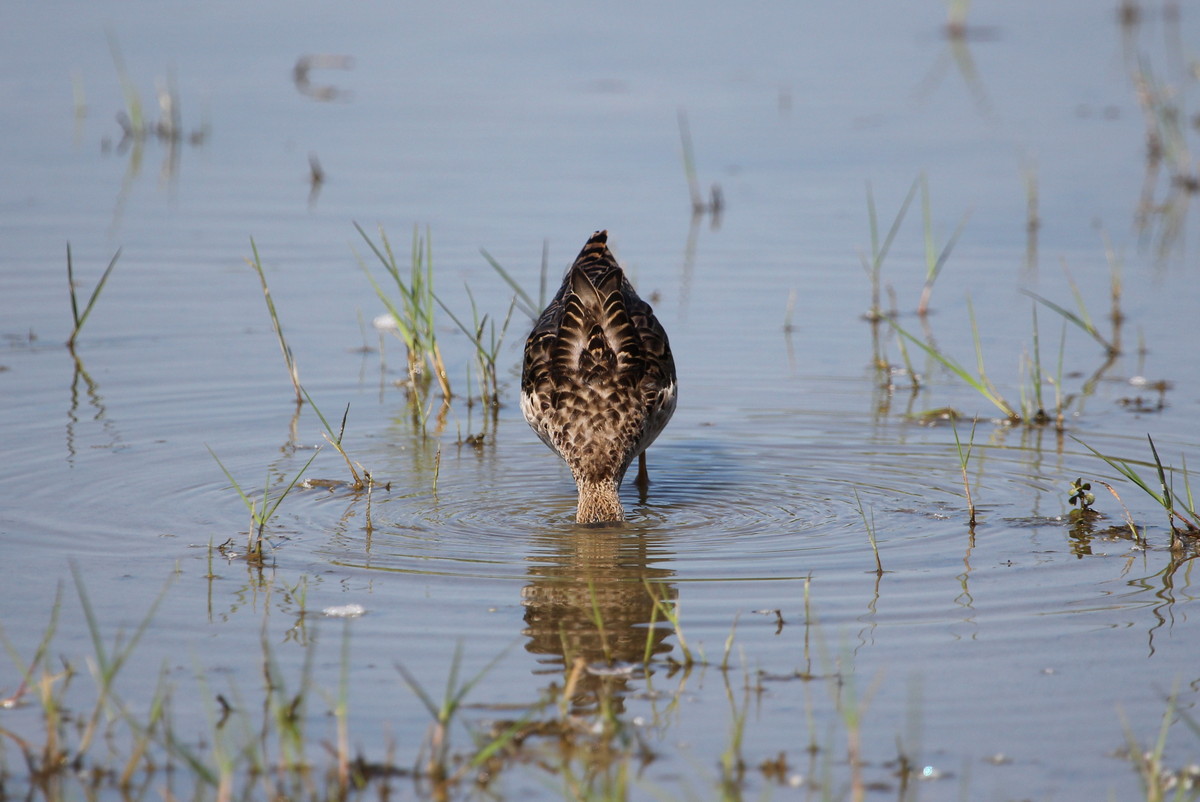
{"points": [[1005, 659]]}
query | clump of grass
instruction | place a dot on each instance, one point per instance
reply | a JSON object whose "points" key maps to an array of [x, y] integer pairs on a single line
{"points": [[135, 126], [1182, 514], [70, 736], [413, 312], [487, 347], [78, 317], [1160, 783], [288, 359], [981, 383], [1033, 409], [261, 512]]}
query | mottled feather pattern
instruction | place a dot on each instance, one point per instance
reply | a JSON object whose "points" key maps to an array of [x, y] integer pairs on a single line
{"points": [[598, 383]]}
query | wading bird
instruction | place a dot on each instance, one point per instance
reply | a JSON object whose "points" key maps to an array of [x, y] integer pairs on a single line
{"points": [[598, 382]]}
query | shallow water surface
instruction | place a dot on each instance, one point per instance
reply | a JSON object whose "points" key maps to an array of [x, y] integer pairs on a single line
{"points": [[1011, 659]]}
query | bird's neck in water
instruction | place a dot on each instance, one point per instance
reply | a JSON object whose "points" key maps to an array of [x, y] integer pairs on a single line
{"points": [[598, 501]]}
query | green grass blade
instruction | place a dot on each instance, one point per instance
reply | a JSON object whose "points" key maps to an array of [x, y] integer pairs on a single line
{"points": [[26, 671], [1084, 325], [71, 286], [87, 310], [1037, 362], [1122, 467], [958, 370], [338, 439], [93, 625], [407, 334], [945, 254], [389, 264], [526, 303], [288, 359], [475, 336], [927, 226], [502, 740], [878, 254], [1187, 486], [472, 334], [415, 686], [1162, 477], [81, 317], [292, 484], [872, 223], [245, 499]]}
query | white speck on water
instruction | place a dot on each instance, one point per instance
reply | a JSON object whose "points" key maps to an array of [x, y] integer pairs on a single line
{"points": [[344, 611], [616, 670]]}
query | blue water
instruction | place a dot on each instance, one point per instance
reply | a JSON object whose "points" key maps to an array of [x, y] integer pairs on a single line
{"points": [[511, 128]]}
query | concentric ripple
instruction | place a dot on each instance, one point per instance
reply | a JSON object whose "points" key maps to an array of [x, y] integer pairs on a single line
{"points": [[729, 506]]}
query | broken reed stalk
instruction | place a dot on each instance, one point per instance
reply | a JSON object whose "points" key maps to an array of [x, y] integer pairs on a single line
{"points": [[360, 480], [437, 468], [1137, 536]]}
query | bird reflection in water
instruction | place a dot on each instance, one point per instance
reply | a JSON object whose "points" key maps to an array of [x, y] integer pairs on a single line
{"points": [[591, 597]]}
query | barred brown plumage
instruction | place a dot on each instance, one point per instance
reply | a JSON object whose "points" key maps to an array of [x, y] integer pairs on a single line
{"points": [[598, 381]]}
